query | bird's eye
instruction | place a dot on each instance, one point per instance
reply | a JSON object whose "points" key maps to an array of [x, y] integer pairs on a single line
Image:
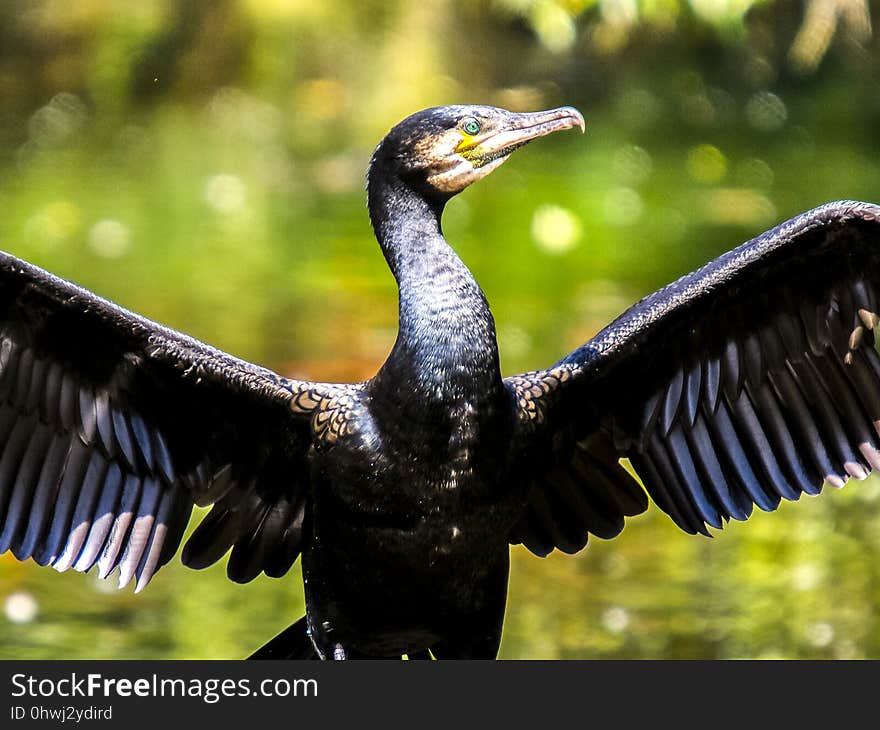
{"points": [[470, 125]]}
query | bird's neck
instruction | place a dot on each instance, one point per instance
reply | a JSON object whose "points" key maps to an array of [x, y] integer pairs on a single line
{"points": [[446, 349]]}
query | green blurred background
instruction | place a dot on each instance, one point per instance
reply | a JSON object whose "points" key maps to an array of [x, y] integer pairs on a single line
{"points": [[202, 163]]}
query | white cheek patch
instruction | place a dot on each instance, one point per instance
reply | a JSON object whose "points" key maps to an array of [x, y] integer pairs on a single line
{"points": [[454, 178], [462, 173]]}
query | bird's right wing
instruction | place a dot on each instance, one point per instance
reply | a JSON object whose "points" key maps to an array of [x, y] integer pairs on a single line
{"points": [[112, 427], [748, 381]]}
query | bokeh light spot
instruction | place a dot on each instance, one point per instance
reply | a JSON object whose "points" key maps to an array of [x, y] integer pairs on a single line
{"points": [[806, 576], [53, 224], [225, 193], [110, 238], [820, 634], [737, 206], [555, 229], [623, 206], [554, 26], [632, 164], [58, 120], [20, 607], [706, 163], [615, 619], [766, 112], [754, 173]]}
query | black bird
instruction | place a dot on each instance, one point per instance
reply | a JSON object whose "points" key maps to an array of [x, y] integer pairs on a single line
{"points": [[750, 380]]}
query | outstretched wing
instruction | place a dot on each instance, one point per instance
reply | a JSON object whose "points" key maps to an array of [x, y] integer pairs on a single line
{"points": [[112, 427], [748, 381]]}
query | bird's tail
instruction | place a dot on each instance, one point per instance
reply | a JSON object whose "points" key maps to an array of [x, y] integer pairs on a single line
{"points": [[292, 643]]}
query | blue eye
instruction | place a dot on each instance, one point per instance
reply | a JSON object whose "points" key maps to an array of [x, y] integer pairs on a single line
{"points": [[471, 126]]}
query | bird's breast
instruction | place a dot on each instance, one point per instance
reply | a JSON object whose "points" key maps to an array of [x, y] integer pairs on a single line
{"points": [[397, 466]]}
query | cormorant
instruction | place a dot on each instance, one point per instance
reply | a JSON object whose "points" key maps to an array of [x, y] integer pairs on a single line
{"points": [[750, 380]]}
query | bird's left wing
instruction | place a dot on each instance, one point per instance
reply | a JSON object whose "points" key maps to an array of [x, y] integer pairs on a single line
{"points": [[112, 427], [750, 380]]}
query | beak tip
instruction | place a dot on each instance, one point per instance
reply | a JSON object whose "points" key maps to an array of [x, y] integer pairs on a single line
{"points": [[578, 119]]}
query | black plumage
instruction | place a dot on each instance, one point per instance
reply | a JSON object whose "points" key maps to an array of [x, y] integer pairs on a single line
{"points": [[749, 381]]}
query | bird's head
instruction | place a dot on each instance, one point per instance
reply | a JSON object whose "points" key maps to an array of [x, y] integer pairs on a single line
{"points": [[442, 150]]}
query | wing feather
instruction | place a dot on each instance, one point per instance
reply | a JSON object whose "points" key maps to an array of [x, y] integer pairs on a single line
{"points": [[112, 427], [749, 381]]}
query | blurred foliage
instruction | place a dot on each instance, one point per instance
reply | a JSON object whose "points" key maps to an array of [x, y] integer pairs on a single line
{"points": [[202, 163]]}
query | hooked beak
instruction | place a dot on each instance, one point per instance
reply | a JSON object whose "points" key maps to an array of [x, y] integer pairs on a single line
{"points": [[519, 129]]}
